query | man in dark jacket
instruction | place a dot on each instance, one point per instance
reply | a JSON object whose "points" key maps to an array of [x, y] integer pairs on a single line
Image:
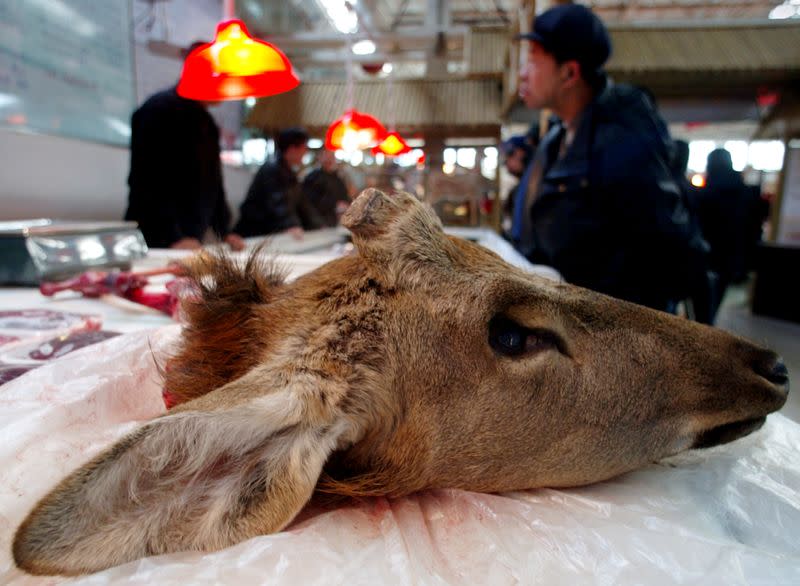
{"points": [[702, 297], [601, 205], [731, 214], [176, 193], [324, 189], [517, 152], [274, 201]]}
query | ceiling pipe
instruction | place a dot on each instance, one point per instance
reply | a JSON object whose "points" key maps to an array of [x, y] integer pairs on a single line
{"points": [[331, 58], [313, 40]]}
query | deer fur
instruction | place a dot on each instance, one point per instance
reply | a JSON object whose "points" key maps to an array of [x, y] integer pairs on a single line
{"points": [[424, 361]]}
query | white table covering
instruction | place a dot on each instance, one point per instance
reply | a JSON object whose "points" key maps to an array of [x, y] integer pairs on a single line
{"points": [[729, 515]]}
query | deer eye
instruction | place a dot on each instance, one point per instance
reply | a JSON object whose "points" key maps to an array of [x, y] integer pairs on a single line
{"points": [[509, 338]]}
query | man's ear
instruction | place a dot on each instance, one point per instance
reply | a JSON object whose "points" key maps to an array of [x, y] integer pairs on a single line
{"points": [[228, 466], [571, 71]]}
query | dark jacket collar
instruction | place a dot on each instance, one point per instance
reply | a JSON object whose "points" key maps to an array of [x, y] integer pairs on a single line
{"points": [[621, 104]]}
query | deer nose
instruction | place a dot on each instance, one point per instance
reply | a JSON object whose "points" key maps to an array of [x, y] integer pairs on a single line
{"points": [[775, 372]]}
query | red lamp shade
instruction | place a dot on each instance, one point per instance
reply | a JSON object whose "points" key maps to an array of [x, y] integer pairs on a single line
{"points": [[392, 145], [354, 131], [235, 66], [372, 68]]}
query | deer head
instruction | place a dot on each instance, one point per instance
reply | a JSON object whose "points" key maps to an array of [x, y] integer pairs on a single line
{"points": [[424, 361]]}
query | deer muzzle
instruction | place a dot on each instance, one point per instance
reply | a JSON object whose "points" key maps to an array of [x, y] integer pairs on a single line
{"points": [[766, 392]]}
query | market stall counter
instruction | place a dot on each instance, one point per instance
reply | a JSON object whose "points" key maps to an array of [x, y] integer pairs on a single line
{"points": [[43, 322], [726, 515]]}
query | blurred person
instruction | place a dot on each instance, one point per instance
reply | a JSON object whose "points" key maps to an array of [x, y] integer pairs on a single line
{"points": [[731, 214], [679, 163], [703, 286], [534, 135], [176, 194], [274, 201], [517, 152], [325, 189], [601, 205]]}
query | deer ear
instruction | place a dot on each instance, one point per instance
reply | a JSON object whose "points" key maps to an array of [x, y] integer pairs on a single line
{"points": [[397, 234], [204, 478]]}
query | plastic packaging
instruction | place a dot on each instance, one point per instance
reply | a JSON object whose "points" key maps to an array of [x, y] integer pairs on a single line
{"points": [[728, 515], [16, 359], [24, 324], [22, 331]]}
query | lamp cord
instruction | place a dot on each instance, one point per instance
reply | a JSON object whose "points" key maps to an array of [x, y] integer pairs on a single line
{"points": [[349, 64], [392, 103], [228, 10]]}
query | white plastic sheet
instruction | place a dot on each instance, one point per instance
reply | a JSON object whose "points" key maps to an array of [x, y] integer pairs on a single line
{"points": [[730, 515]]}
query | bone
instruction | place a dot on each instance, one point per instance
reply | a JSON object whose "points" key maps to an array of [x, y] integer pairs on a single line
{"points": [[373, 210], [395, 232]]}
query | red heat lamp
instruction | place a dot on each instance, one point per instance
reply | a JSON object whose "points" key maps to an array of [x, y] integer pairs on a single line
{"points": [[372, 68], [235, 66], [354, 131], [392, 145]]}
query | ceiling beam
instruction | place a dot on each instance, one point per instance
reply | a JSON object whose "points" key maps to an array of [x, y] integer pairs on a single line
{"points": [[316, 40], [339, 57]]}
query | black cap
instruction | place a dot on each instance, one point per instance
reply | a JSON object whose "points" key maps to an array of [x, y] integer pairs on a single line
{"points": [[572, 32]]}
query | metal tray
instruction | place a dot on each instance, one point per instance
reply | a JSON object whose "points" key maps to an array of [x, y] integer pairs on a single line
{"points": [[32, 251]]}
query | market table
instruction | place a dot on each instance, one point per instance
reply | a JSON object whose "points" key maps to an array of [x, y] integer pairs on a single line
{"points": [[727, 515]]}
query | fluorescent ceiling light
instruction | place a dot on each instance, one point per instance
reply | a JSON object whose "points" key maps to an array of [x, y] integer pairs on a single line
{"points": [[343, 18], [365, 47], [789, 9]]}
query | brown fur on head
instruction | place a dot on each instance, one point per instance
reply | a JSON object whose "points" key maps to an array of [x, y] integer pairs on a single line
{"points": [[220, 339], [424, 361]]}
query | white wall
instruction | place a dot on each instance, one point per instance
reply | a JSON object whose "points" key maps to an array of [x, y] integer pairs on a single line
{"points": [[54, 177]]}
